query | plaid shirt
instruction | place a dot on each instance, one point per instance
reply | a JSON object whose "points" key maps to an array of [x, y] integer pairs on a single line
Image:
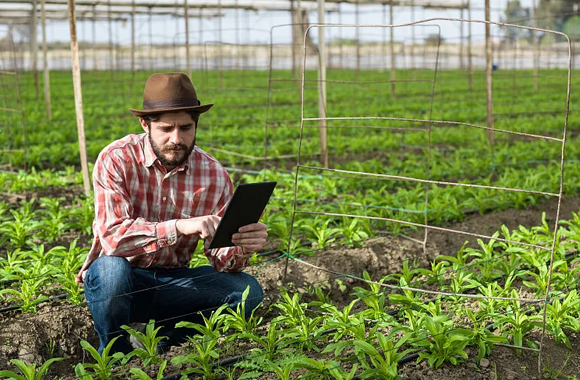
{"points": [[138, 203]]}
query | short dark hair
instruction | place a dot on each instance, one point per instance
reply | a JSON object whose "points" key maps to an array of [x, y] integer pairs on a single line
{"points": [[156, 116]]}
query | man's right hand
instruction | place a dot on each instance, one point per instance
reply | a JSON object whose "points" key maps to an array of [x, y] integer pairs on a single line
{"points": [[204, 226]]}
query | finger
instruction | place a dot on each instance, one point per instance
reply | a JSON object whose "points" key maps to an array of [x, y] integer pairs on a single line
{"points": [[253, 227], [250, 235], [211, 229], [215, 220], [251, 243], [205, 231]]}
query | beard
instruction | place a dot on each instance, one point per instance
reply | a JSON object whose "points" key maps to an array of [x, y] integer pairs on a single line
{"points": [[163, 153]]}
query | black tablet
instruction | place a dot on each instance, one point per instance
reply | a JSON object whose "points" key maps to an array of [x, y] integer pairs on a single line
{"points": [[245, 207]]}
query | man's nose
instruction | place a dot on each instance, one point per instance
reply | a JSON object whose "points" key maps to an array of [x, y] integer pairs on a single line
{"points": [[174, 136]]}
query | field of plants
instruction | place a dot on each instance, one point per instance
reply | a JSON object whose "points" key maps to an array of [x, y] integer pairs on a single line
{"points": [[345, 297]]}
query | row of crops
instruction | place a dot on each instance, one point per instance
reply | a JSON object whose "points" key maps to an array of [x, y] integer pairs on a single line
{"points": [[390, 318]]}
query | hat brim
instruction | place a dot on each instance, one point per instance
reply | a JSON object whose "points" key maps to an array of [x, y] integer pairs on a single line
{"points": [[198, 109]]}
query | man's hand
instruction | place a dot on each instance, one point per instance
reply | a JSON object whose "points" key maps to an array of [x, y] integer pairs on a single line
{"points": [[204, 226], [250, 238]]}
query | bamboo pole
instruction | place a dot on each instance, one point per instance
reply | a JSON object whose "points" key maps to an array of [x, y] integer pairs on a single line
{"points": [[46, 74], [392, 38], [413, 42], [187, 55], [300, 34], [384, 33], [34, 47], [489, 73], [74, 46], [469, 52], [322, 86]]}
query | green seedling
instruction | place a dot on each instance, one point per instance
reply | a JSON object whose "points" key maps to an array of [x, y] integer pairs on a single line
{"points": [[444, 343], [380, 362], [28, 371], [102, 369], [148, 354], [237, 321], [139, 374]]}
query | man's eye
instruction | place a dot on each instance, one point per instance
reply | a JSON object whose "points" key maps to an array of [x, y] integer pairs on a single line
{"points": [[186, 127]]}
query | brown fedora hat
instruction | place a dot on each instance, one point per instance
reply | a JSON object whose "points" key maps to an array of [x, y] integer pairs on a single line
{"points": [[169, 93]]}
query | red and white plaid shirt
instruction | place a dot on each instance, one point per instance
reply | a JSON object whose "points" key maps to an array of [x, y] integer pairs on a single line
{"points": [[138, 203]]}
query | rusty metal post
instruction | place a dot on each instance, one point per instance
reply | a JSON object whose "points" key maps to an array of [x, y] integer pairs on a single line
{"points": [[489, 73], [46, 74], [322, 85], [74, 46]]}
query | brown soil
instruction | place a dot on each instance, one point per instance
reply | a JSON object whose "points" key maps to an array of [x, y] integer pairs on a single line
{"points": [[59, 327]]}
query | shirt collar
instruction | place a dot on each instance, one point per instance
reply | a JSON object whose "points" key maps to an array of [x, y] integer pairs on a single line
{"points": [[151, 157]]}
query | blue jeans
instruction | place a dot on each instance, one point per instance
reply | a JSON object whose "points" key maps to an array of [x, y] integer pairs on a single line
{"points": [[119, 294]]}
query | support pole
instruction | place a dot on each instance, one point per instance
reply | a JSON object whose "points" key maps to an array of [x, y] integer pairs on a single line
{"points": [[489, 73], [461, 43], [295, 34], [34, 47], [469, 52], [132, 47], [413, 42], [536, 45], [95, 58], [357, 37], [187, 55], [392, 38], [322, 86], [111, 47], [221, 54], [46, 75], [74, 46]]}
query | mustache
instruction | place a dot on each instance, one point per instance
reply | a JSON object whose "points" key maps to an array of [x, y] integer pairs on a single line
{"points": [[175, 147]]}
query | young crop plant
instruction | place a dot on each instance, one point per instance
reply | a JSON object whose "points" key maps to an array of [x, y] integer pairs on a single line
{"points": [[380, 361], [444, 343], [320, 232], [563, 315], [203, 353], [291, 309], [148, 354], [28, 296], [516, 323], [374, 297], [324, 370], [482, 337], [354, 233], [274, 343], [28, 371], [104, 365], [139, 374], [238, 320], [436, 275]]}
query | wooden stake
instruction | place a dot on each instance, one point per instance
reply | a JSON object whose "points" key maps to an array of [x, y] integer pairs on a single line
{"points": [[489, 73], [34, 46], [322, 86], [74, 47], [393, 68], [46, 75], [187, 55], [469, 52]]}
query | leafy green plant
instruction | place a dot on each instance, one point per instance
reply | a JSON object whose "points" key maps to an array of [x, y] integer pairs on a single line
{"points": [[28, 371], [148, 354], [138, 373], [102, 369], [237, 320], [380, 362], [444, 343]]}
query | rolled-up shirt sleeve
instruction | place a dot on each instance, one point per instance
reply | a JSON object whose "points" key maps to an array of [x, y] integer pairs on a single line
{"points": [[119, 233], [227, 259]]}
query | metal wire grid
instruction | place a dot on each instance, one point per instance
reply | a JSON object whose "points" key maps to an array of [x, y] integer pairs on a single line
{"points": [[430, 123]]}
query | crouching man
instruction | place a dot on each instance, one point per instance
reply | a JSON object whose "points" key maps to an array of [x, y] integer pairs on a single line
{"points": [[156, 195]]}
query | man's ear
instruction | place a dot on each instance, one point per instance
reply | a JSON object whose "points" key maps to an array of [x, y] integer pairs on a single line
{"points": [[144, 125]]}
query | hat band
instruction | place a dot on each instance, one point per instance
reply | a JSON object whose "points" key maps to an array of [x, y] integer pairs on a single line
{"points": [[171, 103]]}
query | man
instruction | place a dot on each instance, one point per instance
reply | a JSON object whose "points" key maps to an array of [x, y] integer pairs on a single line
{"points": [[156, 195]]}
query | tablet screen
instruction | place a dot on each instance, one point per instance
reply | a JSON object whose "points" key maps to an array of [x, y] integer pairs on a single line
{"points": [[245, 207]]}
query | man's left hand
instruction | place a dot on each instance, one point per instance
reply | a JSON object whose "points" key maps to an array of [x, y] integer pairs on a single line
{"points": [[250, 238]]}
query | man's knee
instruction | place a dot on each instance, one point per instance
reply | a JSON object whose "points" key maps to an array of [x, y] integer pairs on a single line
{"points": [[109, 273]]}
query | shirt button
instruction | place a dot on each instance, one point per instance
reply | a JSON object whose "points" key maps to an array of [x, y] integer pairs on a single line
{"points": [[164, 199]]}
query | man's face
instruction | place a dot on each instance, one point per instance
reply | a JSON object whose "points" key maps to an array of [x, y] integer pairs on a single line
{"points": [[172, 137]]}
